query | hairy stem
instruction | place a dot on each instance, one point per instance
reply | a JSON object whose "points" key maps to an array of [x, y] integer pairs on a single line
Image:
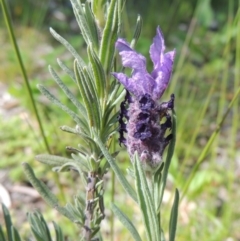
{"points": [[89, 211]]}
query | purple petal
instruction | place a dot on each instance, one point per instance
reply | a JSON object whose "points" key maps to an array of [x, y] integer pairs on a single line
{"points": [[141, 82], [162, 75], [157, 49], [130, 58], [138, 84]]}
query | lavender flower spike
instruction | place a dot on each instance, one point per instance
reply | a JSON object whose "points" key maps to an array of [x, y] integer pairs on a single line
{"points": [[141, 116], [141, 82]]}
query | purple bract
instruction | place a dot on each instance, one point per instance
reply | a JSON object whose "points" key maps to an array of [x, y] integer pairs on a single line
{"points": [[141, 82]]}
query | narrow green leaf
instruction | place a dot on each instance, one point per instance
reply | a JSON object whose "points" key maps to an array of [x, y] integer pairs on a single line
{"points": [[68, 71], [87, 95], [146, 202], [137, 31], [126, 222], [67, 92], [174, 217], [68, 46], [86, 25], [99, 75], [82, 163], [52, 160], [92, 24], [55, 101], [15, 234], [121, 178], [69, 129], [44, 191], [90, 82], [157, 184], [1, 234], [118, 98], [39, 227], [109, 37], [67, 166], [94, 232], [98, 10], [58, 231], [90, 144], [8, 222], [169, 156], [77, 213]]}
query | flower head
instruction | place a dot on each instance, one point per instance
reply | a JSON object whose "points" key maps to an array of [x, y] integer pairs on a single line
{"points": [[141, 82], [140, 113]]}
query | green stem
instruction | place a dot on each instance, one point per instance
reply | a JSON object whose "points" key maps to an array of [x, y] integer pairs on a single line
{"points": [[24, 74], [19, 58]]}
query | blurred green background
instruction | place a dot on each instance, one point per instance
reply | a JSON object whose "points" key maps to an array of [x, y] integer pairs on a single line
{"points": [[206, 36]]}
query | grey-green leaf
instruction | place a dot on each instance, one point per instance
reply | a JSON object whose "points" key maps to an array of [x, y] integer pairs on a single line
{"points": [[137, 31], [145, 199], [86, 22], [99, 75], [174, 217], [68, 71], [55, 101], [15, 234], [44, 191], [58, 231], [107, 47], [52, 160], [67, 92], [121, 178], [8, 222], [2, 235], [126, 222], [68, 46]]}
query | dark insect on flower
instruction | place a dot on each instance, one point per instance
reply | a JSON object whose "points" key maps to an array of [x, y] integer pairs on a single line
{"points": [[141, 115]]}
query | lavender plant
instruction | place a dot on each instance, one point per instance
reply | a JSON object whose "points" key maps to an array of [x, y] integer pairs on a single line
{"points": [[141, 116]]}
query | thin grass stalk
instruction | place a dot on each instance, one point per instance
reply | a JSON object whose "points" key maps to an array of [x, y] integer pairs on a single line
{"points": [[24, 73], [187, 108], [228, 209], [235, 119], [183, 54], [224, 79], [172, 12], [25, 77], [208, 145], [198, 126]]}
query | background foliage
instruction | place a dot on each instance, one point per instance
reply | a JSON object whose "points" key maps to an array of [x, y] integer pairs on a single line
{"points": [[206, 76]]}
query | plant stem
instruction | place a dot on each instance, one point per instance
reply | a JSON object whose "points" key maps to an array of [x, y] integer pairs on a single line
{"points": [[89, 211], [24, 74], [25, 77]]}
